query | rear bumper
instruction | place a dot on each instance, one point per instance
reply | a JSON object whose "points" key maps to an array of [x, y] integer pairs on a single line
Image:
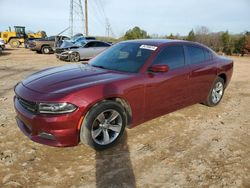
{"points": [[57, 130]]}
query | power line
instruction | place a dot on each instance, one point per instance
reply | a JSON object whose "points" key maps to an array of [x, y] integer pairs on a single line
{"points": [[78, 14], [109, 31], [97, 16]]}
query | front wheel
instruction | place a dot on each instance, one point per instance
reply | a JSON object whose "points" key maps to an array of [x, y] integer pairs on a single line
{"points": [[103, 126], [74, 57], [216, 93]]}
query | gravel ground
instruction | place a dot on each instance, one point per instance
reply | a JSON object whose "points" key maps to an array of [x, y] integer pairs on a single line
{"points": [[197, 146]]}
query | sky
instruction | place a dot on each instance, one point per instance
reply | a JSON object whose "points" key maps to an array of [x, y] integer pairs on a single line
{"points": [[160, 17]]}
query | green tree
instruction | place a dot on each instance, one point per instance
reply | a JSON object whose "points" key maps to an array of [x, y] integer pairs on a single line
{"points": [[171, 36], [240, 45], [247, 44], [135, 33], [226, 43], [191, 36]]}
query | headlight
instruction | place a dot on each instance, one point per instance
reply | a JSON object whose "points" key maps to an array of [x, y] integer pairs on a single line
{"points": [[56, 108]]}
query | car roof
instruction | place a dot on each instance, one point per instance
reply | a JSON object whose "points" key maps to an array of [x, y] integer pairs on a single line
{"points": [[159, 42], [88, 41]]}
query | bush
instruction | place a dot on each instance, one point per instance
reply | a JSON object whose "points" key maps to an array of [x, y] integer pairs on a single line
{"points": [[135, 33]]}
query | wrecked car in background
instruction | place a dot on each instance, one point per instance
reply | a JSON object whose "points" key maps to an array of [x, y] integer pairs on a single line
{"points": [[82, 51]]}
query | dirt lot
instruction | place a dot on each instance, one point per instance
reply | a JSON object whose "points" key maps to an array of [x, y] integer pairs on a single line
{"points": [[194, 147]]}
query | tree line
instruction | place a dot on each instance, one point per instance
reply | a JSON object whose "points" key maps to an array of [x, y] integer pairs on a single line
{"points": [[222, 42]]}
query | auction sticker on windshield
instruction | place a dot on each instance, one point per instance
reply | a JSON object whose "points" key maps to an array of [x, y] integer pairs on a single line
{"points": [[148, 47]]}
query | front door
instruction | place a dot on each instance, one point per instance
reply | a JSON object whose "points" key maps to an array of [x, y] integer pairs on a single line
{"points": [[166, 92]]}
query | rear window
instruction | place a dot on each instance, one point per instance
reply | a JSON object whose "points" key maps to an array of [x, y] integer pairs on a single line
{"points": [[173, 56], [52, 38], [196, 55], [90, 38]]}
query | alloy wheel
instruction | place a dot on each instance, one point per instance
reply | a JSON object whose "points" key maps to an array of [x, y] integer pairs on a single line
{"points": [[74, 57], [217, 92], [106, 127]]}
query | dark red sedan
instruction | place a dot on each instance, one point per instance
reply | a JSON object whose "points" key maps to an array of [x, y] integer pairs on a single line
{"points": [[128, 84]]}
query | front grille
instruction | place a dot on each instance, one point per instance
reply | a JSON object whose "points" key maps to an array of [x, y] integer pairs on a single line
{"points": [[28, 105], [59, 50]]}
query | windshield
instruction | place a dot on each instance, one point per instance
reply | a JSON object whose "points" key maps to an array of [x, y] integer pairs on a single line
{"points": [[79, 39], [124, 57]]}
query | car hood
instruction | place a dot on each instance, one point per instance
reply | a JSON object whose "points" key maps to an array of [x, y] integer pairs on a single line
{"points": [[68, 78], [67, 44]]}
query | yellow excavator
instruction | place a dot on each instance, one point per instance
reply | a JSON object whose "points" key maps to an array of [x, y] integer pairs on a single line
{"points": [[18, 36]]}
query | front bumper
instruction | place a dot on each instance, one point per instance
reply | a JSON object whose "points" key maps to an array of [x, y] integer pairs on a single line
{"points": [[52, 130], [64, 57]]}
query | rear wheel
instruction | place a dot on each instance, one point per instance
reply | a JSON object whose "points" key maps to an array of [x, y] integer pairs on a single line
{"points": [[74, 57], [103, 126], [46, 50], [14, 43], [216, 92]]}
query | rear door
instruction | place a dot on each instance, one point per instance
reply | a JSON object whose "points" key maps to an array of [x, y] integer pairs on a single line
{"points": [[166, 92], [202, 72]]}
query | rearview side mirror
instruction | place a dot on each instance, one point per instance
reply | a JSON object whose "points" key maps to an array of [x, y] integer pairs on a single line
{"points": [[159, 68]]}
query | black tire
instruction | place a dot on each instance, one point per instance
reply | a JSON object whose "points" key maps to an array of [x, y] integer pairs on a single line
{"points": [[74, 57], [14, 43], [90, 125], [211, 96], [46, 50]]}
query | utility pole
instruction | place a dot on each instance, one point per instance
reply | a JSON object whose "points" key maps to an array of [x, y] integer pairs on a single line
{"points": [[86, 18], [71, 18], [108, 28]]}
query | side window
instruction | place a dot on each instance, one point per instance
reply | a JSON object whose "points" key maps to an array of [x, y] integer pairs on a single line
{"points": [[90, 45], [101, 44], [173, 56], [207, 55], [196, 54]]}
